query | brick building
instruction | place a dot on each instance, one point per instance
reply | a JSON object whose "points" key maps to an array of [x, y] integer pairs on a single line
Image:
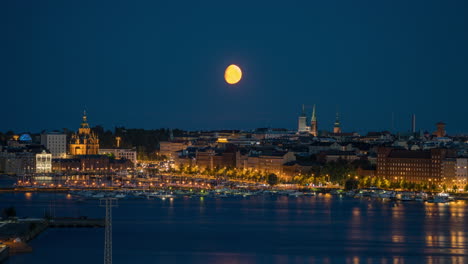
{"points": [[435, 166]]}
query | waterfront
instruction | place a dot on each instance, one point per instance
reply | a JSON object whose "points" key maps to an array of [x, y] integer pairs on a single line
{"points": [[262, 229]]}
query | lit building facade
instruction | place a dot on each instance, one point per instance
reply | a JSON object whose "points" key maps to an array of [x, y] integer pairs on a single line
{"points": [[43, 162], [85, 142], [434, 166], [461, 170], [170, 148]]}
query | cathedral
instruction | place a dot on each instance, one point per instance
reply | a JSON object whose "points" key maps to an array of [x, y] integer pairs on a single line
{"points": [[85, 142]]}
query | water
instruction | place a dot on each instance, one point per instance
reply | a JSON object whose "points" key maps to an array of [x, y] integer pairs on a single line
{"points": [[322, 229]]}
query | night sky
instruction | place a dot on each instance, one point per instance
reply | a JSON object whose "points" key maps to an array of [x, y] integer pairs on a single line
{"points": [[152, 64]]}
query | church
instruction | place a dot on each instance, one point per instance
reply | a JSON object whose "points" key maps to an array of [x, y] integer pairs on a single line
{"points": [[303, 127], [85, 142]]}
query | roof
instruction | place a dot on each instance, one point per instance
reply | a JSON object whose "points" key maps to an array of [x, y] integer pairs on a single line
{"points": [[410, 154], [339, 153], [302, 163]]}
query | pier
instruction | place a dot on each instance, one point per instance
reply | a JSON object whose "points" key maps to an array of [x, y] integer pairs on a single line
{"points": [[4, 253], [15, 233]]}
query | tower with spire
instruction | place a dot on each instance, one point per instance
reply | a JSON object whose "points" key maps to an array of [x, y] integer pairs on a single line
{"points": [[337, 126], [302, 122], [313, 123], [85, 142]]}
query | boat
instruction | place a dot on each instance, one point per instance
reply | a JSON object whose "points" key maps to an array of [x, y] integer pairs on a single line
{"points": [[406, 196], [120, 196], [296, 194], [421, 197], [165, 196], [386, 195], [97, 196], [441, 198]]}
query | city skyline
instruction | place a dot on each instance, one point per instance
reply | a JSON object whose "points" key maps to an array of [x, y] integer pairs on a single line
{"points": [[329, 126], [162, 65]]}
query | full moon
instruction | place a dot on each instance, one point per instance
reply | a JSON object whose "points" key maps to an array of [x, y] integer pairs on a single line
{"points": [[233, 74]]}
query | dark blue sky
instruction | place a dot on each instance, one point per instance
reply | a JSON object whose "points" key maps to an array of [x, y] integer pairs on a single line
{"points": [[151, 64]]}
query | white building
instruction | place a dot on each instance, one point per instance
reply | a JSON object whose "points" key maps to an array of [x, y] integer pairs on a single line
{"points": [[302, 122], [129, 154], [56, 143], [43, 162]]}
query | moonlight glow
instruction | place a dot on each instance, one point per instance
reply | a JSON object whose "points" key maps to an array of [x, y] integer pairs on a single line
{"points": [[233, 74]]}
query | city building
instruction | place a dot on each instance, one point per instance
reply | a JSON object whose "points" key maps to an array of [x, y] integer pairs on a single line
{"points": [[43, 162], [210, 158], [336, 155], [461, 170], [302, 123], [271, 161], [434, 166], [91, 163], [128, 154], [56, 143], [85, 142], [294, 168], [21, 159], [171, 148]]}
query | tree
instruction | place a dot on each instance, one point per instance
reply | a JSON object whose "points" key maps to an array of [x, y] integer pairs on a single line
{"points": [[385, 183], [466, 187], [272, 179]]}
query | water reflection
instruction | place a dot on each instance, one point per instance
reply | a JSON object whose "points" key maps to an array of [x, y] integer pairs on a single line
{"points": [[28, 196], [445, 230], [261, 230]]}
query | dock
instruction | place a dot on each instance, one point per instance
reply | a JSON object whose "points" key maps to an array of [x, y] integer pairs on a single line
{"points": [[15, 233]]}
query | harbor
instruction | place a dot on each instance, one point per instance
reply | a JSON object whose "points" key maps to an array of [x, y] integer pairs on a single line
{"points": [[248, 226]]}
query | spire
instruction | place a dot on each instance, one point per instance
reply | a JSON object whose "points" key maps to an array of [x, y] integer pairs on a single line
{"points": [[85, 124], [336, 127], [303, 110], [314, 118], [337, 120]]}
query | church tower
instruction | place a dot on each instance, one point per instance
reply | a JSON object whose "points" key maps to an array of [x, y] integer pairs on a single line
{"points": [[85, 142], [302, 122], [336, 127], [313, 123]]}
